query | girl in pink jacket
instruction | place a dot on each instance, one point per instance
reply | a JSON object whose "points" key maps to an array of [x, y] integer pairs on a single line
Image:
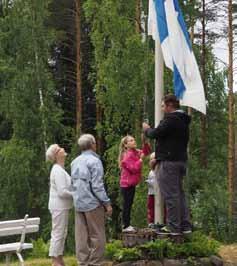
{"points": [[130, 163]]}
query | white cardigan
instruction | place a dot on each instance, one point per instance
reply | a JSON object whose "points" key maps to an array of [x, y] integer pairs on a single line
{"points": [[60, 196]]}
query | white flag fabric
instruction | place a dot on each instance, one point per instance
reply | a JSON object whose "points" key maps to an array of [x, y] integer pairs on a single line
{"points": [[166, 25]]}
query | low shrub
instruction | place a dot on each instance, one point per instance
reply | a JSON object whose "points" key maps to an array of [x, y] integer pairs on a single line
{"points": [[127, 254], [40, 249], [197, 245], [111, 248], [154, 249]]}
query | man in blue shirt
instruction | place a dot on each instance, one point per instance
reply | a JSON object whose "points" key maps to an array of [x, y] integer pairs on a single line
{"points": [[91, 202]]}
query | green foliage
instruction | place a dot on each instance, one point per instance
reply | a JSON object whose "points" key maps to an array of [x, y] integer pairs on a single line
{"points": [[112, 183], [207, 187], [123, 65], [197, 245], [209, 210], [139, 209], [27, 104], [15, 178], [127, 254], [156, 250], [40, 249], [112, 248], [122, 73]]}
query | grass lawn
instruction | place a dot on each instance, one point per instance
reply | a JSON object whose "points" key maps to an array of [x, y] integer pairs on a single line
{"points": [[69, 261], [227, 252]]}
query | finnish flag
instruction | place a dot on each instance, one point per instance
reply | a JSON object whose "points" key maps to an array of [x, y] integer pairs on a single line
{"points": [[166, 25]]}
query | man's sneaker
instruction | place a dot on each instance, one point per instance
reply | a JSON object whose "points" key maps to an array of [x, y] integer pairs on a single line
{"points": [[159, 226], [166, 231], [151, 225], [129, 229], [187, 231], [155, 226]]}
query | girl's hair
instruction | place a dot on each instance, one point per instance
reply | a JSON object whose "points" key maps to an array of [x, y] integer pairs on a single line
{"points": [[152, 156], [122, 148]]}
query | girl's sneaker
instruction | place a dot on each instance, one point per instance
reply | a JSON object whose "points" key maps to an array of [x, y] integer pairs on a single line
{"points": [[129, 229]]}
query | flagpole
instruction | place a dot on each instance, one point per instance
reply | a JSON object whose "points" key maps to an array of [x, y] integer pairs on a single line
{"points": [[159, 93]]}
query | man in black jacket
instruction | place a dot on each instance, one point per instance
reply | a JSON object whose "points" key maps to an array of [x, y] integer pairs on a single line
{"points": [[172, 135]]}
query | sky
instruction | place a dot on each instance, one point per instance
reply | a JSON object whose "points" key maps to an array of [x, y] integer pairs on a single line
{"points": [[221, 46]]}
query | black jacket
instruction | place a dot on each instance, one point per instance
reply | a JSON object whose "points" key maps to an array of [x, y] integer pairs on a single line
{"points": [[172, 135]]}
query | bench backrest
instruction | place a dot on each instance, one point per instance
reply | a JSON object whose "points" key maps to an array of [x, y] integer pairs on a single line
{"points": [[17, 227]]}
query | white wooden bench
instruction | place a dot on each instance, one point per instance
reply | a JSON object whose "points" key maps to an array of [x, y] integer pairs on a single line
{"points": [[17, 227]]}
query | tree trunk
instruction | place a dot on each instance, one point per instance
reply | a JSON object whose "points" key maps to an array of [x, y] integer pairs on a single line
{"points": [[138, 16], [203, 135], [78, 68], [138, 120], [38, 79], [100, 139], [231, 133]]}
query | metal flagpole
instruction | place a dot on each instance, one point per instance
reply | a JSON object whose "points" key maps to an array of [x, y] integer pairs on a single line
{"points": [[159, 93]]}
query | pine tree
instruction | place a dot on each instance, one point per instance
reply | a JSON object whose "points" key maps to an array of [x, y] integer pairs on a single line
{"points": [[27, 101]]}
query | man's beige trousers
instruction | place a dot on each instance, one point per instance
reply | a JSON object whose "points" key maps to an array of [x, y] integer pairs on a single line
{"points": [[90, 236]]}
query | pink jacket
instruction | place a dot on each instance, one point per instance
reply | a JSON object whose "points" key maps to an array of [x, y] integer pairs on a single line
{"points": [[131, 166]]}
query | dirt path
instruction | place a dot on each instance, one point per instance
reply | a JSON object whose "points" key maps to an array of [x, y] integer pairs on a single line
{"points": [[229, 254]]}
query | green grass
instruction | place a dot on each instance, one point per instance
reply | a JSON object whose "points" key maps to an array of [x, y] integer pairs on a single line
{"points": [[69, 261]]}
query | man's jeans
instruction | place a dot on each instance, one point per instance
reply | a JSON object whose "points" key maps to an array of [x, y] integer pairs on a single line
{"points": [[170, 180]]}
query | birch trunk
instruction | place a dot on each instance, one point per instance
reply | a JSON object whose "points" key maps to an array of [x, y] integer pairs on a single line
{"points": [[231, 120], [78, 68], [203, 135]]}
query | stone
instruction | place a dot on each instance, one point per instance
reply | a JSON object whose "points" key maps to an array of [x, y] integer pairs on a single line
{"points": [[147, 263], [216, 261], [126, 263], [205, 262], [139, 263], [170, 262], [154, 263], [107, 263]]}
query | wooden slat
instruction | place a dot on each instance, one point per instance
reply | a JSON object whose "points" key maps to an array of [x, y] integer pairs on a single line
{"points": [[20, 222], [12, 247], [18, 230]]}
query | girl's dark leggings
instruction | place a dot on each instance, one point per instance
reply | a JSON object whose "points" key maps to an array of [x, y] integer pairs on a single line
{"points": [[128, 196]]}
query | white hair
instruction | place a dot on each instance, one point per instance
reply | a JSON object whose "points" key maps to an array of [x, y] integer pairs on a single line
{"points": [[85, 142], [51, 152]]}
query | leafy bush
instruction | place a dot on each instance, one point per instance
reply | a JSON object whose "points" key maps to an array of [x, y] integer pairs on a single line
{"points": [[202, 246], [115, 251], [197, 245], [154, 250], [40, 249], [127, 254], [112, 248]]}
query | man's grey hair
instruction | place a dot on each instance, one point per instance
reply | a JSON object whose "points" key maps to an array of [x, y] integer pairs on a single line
{"points": [[86, 141], [51, 152]]}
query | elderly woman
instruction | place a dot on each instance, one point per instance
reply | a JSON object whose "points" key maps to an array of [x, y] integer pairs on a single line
{"points": [[60, 202], [91, 202]]}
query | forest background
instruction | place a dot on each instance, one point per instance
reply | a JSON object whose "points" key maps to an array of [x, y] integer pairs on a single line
{"points": [[70, 67]]}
